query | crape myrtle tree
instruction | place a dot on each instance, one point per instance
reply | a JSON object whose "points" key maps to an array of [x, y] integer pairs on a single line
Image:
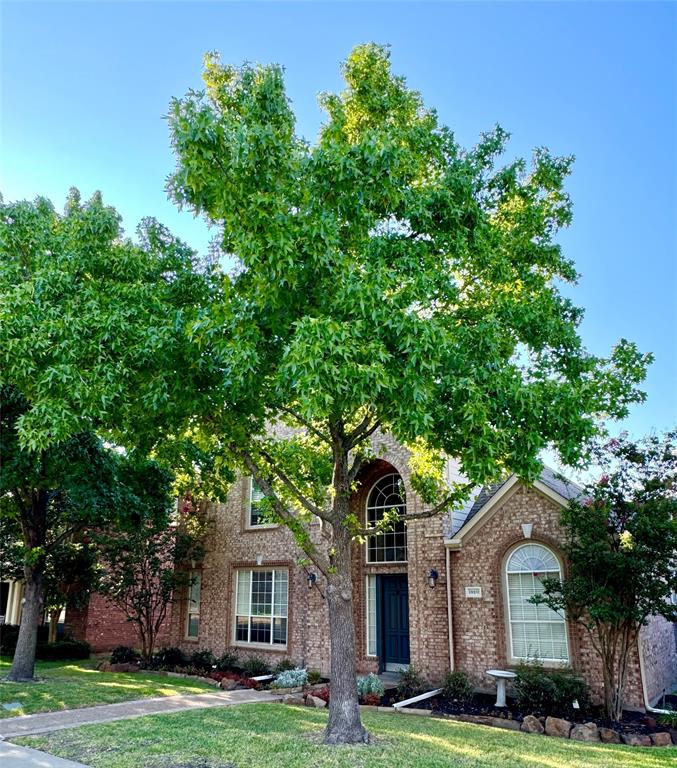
{"points": [[622, 553], [144, 567], [385, 279], [93, 344], [57, 494]]}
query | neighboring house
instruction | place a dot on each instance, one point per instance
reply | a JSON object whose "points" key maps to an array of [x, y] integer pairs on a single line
{"points": [[442, 593]]}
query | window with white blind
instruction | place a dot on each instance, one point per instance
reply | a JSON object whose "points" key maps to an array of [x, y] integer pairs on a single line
{"points": [[535, 630], [261, 604], [193, 613]]}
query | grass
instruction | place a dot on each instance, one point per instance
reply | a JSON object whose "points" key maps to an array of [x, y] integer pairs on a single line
{"points": [[75, 684], [272, 735]]}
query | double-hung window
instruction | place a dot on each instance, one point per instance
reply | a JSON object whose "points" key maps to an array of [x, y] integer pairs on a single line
{"points": [[261, 606], [255, 515]]}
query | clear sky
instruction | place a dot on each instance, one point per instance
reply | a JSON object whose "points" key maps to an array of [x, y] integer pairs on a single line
{"points": [[84, 87]]}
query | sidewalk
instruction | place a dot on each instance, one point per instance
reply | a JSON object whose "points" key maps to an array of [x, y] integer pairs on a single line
{"points": [[12, 756], [28, 725]]}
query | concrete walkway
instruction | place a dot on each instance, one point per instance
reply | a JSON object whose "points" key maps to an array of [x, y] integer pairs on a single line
{"points": [[12, 756], [28, 725]]}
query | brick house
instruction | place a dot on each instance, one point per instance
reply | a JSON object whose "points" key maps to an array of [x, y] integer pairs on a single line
{"points": [[443, 593]]}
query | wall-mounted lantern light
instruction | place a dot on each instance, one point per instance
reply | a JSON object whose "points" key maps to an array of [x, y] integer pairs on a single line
{"points": [[527, 528], [259, 559], [312, 578], [432, 578]]}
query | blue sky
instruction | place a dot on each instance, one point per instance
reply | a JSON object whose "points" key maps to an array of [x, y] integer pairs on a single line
{"points": [[84, 87]]}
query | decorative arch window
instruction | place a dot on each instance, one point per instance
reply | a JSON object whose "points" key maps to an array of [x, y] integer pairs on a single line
{"points": [[535, 630], [386, 496]]}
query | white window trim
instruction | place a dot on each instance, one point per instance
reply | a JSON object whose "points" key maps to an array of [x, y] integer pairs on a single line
{"points": [[271, 646], [190, 613], [506, 572], [369, 578], [366, 520], [248, 520]]}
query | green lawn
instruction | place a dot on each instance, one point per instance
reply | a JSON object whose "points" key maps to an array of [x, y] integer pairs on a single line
{"points": [[75, 684], [273, 735]]}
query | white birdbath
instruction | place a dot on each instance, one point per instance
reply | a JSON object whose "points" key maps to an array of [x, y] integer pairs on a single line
{"points": [[500, 675]]}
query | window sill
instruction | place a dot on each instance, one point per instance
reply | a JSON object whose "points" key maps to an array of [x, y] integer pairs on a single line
{"points": [[260, 646]]}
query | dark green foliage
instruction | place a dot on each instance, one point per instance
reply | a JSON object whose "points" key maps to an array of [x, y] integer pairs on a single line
{"points": [[170, 657], [411, 683], [123, 654], [228, 661], [203, 660], [669, 719], [255, 666], [549, 692], [457, 686], [314, 676], [285, 665], [63, 649], [9, 634]]}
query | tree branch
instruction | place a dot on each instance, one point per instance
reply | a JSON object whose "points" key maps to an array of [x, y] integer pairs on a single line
{"points": [[362, 431], [308, 425]]}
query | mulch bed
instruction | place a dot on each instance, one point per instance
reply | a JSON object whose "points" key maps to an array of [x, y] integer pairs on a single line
{"points": [[483, 704]]}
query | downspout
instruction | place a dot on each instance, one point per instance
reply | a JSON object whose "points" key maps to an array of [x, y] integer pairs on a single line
{"points": [[647, 705], [451, 625]]}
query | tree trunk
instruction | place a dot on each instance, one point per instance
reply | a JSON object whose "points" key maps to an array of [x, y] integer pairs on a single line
{"points": [[344, 726], [53, 624], [23, 665]]}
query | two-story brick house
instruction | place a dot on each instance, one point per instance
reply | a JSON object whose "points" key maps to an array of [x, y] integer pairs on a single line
{"points": [[441, 593]]}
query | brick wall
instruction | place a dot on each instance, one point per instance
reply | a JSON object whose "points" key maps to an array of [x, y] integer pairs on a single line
{"points": [[104, 626], [658, 642], [480, 625]]}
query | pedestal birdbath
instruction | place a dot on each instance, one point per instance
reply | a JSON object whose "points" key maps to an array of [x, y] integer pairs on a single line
{"points": [[500, 675]]}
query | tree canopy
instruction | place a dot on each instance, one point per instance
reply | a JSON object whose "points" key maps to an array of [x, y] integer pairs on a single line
{"points": [[384, 278]]}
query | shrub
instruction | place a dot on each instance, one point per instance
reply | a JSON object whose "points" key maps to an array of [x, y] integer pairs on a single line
{"points": [[411, 683], [123, 654], [314, 677], [549, 692], [9, 634], [290, 678], [228, 662], [203, 660], [457, 686], [63, 649], [370, 686], [169, 658], [255, 666], [285, 664], [669, 719]]}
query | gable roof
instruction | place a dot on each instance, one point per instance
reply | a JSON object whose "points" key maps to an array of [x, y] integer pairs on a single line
{"points": [[550, 482]]}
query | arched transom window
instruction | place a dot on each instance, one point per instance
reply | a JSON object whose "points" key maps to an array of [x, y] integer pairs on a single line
{"points": [[387, 496], [535, 630]]}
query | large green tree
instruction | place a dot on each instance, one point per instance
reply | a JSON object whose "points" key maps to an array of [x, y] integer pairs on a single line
{"points": [[93, 345], [622, 554], [385, 278], [56, 494]]}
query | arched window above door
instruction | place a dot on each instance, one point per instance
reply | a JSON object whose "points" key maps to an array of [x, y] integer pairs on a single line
{"points": [[386, 497]]}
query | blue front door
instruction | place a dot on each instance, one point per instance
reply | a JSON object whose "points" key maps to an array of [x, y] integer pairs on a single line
{"points": [[395, 620]]}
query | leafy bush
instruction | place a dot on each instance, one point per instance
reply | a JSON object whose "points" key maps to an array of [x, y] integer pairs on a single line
{"points": [[669, 719], [285, 664], [9, 634], [169, 658], [370, 686], [63, 649], [550, 692], [228, 662], [290, 678], [203, 660], [314, 677], [123, 654], [255, 666], [411, 684], [457, 686]]}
